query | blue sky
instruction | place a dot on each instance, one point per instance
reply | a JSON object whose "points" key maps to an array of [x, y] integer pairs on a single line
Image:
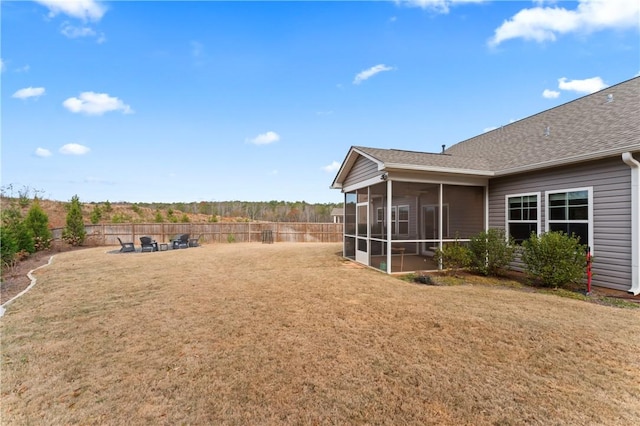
{"points": [[209, 101]]}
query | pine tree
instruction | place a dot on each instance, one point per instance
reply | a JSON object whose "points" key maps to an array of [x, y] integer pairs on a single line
{"points": [[37, 222], [74, 233]]}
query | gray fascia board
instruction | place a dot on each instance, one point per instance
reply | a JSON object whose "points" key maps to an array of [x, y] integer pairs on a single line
{"points": [[415, 167]]}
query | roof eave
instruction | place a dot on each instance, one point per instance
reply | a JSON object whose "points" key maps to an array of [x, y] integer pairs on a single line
{"points": [[434, 169], [348, 163]]}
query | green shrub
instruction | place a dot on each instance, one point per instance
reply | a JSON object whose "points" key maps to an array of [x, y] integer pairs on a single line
{"points": [[107, 207], [453, 256], [37, 222], [171, 217], [74, 232], [185, 218], [555, 259], [96, 215], [491, 251], [8, 247], [158, 217], [136, 209], [14, 225]]}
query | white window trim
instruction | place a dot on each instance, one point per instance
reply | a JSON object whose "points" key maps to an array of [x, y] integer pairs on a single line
{"points": [[589, 190], [407, 221], [378, 211], [538, 195]]}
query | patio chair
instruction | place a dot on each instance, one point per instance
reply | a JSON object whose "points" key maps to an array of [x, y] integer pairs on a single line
{"points": [[148, 244], [126, 247], [180, 241], [193, 242]]}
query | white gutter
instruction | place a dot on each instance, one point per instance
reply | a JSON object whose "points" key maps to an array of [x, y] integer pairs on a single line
{"points": [[627, 157]]}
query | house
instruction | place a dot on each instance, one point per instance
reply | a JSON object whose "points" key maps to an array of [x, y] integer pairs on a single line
{"points": [[337, 215], [575, 168]]}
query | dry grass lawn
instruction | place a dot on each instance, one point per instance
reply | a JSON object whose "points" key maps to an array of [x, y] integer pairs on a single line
{"points": [[292, 334]]}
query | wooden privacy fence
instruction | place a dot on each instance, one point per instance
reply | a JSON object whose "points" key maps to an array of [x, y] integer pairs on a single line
{"points": [[219, 232]]}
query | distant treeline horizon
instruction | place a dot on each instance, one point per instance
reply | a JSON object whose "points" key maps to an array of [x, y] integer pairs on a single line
{"points": [[273, 211]]}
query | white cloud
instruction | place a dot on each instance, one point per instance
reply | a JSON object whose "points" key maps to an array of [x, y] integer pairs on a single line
{"points": [[29, 92], [488, 129], [92, 103], [545, 23], [331, 168], [74, 149], [71, 31], [2, 65], [87, 10], [24, 68], [550, 94], [265, 138], [43, 152], [440, 6], [367, 74], [586, 86]]}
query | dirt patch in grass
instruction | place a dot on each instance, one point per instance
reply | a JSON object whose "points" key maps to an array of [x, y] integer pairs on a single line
{"points": [[291, 334]]}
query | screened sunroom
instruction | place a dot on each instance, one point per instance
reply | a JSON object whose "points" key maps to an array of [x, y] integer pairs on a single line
{"points": [[397, 226], [398, 211]]}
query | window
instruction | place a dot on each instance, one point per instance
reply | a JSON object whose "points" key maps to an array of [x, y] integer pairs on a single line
{"points": [[570, 211], [399, 219], [403, 220], [523, 215]]}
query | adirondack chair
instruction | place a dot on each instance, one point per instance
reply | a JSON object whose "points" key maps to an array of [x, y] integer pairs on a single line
{"points": [[148, 244], [126, 247], [180, 241]]}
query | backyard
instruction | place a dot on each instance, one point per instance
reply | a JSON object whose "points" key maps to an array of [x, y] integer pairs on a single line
{"points": [[290, 333]]}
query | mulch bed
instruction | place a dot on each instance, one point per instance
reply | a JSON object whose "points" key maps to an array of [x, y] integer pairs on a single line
{"points": [[15, 279]]}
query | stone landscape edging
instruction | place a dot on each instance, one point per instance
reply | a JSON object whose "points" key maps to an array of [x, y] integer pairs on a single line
{"points": [[33, 282]]}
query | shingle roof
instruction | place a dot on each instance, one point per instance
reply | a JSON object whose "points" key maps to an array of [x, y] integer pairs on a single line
{"points": [[398, 158], [595, 126]]}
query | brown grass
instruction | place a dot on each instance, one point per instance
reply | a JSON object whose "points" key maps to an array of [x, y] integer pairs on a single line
{"points": [[292, 334]]}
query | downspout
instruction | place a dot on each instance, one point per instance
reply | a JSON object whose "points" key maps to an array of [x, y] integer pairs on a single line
{"points": [[627, 157]]}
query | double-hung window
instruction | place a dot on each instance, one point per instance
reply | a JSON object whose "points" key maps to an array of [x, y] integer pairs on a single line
{"points": [[571, 212], [403, 220], [523, 215]]}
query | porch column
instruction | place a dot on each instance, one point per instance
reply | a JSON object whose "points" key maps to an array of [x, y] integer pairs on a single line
{"points": [[388, 221], [440, 221]]}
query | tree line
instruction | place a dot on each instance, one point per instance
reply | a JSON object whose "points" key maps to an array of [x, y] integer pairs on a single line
{"points": [[271, 211]]}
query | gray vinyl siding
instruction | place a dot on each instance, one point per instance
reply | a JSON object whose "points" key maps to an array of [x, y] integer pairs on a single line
{"points": [[362, 170], [611, 183]]}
